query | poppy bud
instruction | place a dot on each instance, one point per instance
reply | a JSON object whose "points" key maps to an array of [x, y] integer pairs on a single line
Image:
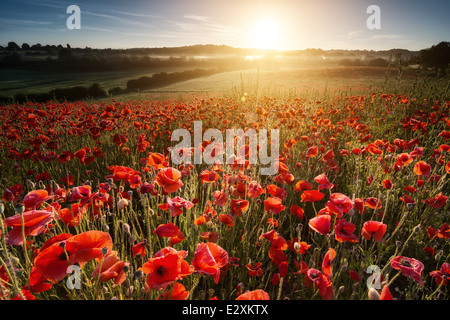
{"points": [[105, 290], [31, 185], [341, 290], [296, 246], [131, 239], [129, 292], [2, 208], [373, 294], [126, 228], [105, 227], [121, 189], [417, 228], [122, 203], [410, 206]]}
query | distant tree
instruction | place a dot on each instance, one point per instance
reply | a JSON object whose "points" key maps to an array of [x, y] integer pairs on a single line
{"points": [[13, 46], [25, 46], [66, 55], [437, 57], [379, 62]]}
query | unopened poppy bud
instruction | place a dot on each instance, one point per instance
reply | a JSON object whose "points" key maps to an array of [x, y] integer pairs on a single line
{"points": [[122, 203], [105, 290], [410, 206], [296, 246], [121, 189], [373, 294], [398, 244], [104, 250], [129, 292], [341, 290], [105, 227], [31, 185], [2, 208], [351, 212], [126, 228], [417, 228]]}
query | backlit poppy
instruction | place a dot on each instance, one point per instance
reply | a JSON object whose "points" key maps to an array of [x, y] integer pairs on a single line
{"points": [[320, 224], [373, 229], [409, 267], [169, 180], [257, 294], [34, 223], [210, 258]]}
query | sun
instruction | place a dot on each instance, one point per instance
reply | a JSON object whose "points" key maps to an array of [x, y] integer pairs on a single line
{"points": [[266, 34]]}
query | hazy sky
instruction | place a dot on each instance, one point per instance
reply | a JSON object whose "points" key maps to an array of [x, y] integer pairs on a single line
{"points": [[280, 24]]}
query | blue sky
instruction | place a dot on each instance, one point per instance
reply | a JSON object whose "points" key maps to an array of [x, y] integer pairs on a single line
{"points": [[282, 24]]}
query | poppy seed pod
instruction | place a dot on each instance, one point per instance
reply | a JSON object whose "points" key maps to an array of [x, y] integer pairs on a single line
{"points": [[104, 250], [126, 228], [19, 208]]}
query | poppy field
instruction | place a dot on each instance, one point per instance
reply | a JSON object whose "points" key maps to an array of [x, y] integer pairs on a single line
{"points": [[93, 207]]}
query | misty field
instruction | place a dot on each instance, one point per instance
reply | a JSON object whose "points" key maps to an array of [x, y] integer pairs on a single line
{"points": [[93, 207]]}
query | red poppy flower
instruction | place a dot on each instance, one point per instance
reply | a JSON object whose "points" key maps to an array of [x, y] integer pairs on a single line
{"points": [[343, 231], [175, 205], [276, 191], [312, 152], [441, 276], [156, 160], [409, 267], [386, 294], [373, 203], [139, 249], [303, 185], [169, 180], [404, 159], [320, 224], [68, 180], [257, 294], [339, 204], [273, 205], [177, 292], [254, 270], [167, 230], [38, 283], [373, 229], [72, 216], [312, 196], [12, 193], [437, 202], [296, 210], [208, 176], [220, 198], [254, 189], [422, 168], [387, 184], [34, 199], [326, 263], [238, 206], [354, 275], [443, 232], [227, 219], [166, 266], [323, 182], [111, 268], [80, 193], [34, 223], [209, 258], [323, 283], [53, 260]]}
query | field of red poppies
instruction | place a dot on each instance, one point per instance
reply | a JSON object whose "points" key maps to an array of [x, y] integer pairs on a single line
{"points": [[93, 208]]}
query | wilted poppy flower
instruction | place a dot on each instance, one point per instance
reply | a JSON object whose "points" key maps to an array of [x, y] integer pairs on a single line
{"points": [[409, 267], [320, 224], [169, 180], [209, 258], [34, 223], [343, 231], [422, 168], [312, 196], [373, 229], [175, 205], [273, 205], [254, 295], [441, 276]]}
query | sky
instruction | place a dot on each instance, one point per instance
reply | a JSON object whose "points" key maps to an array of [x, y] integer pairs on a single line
{"points": [[276, 24]]}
